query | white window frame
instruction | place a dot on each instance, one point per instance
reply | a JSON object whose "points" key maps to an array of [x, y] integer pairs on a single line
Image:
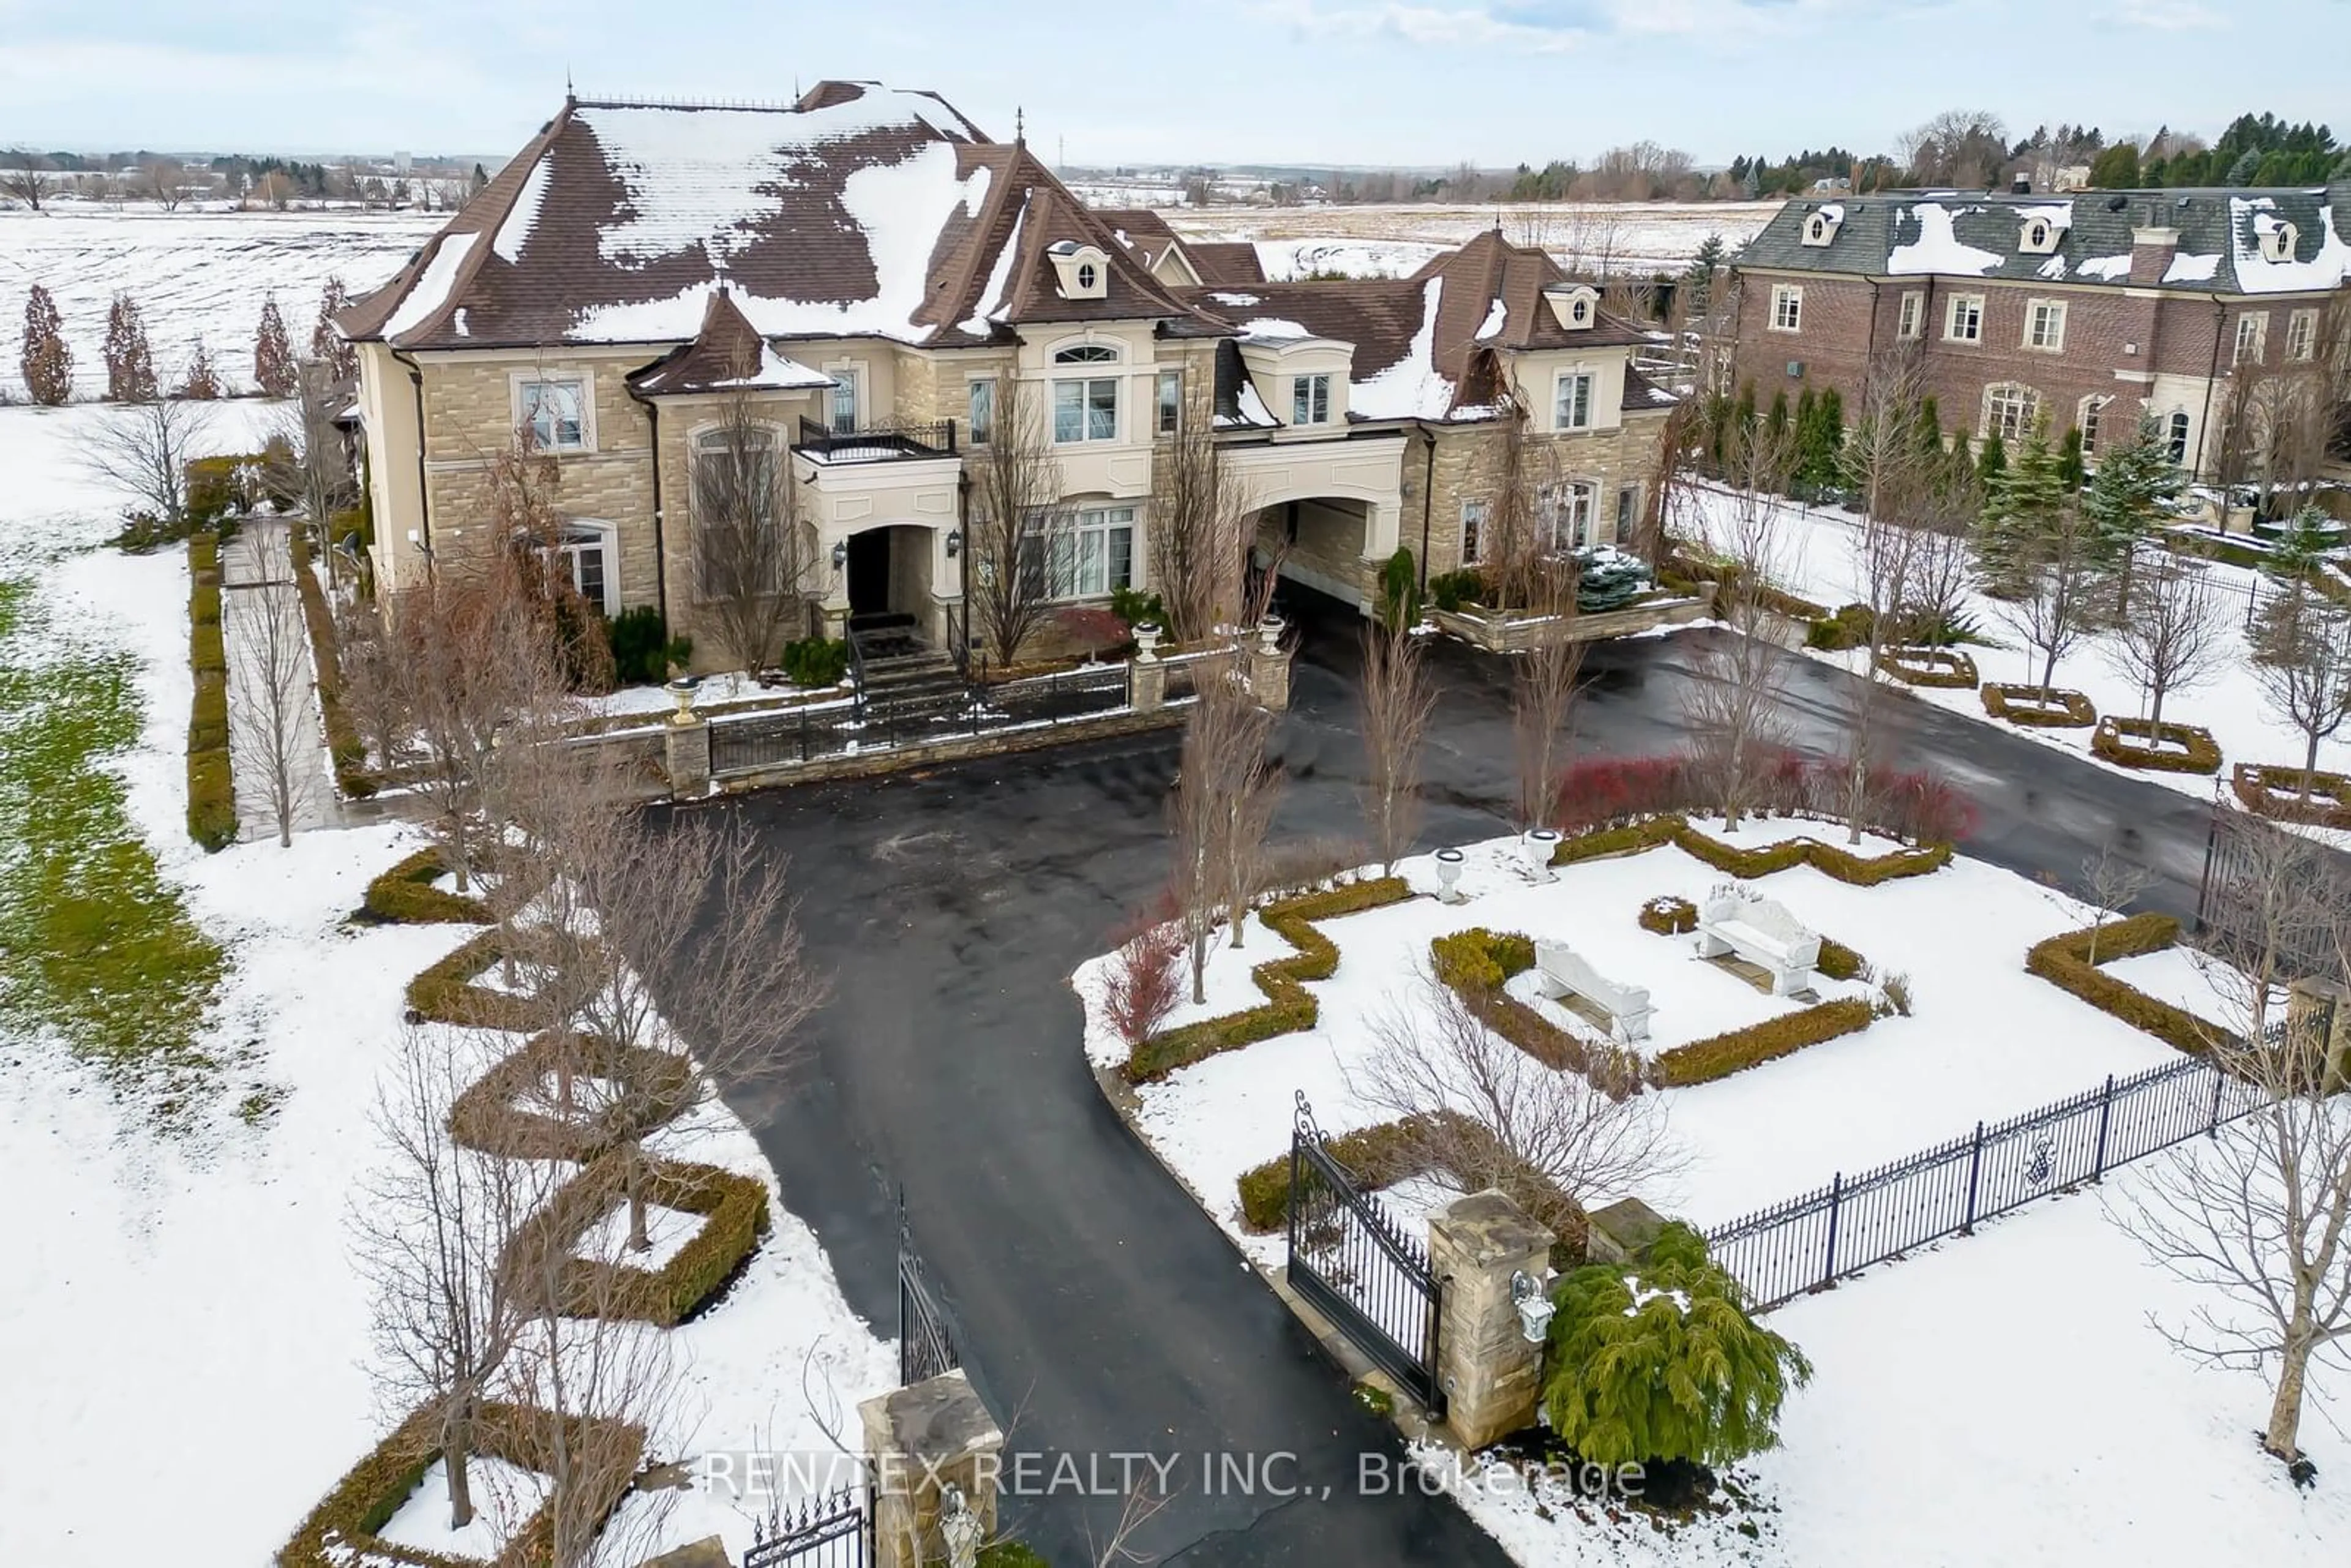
{"points": [[2090, 420], [2010, 409], [2177, 427], [1078, 551], [579, 536], [1310, 398], [1573, 393], [2252, 347], [1086, 354], [1473, 530], [1565, 512], [1089, 277], [1972, 305], [1913, 314], [2044, 326], [979, 410], [1787, 307], [778, 446], [849, 380], [1628, 511], [2301, 336], [1087, 392], [1168, 409], [528, 398]]}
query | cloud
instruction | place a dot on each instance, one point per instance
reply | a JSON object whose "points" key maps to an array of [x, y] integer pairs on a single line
{"points": [[1546, 27], [2163, 16]]}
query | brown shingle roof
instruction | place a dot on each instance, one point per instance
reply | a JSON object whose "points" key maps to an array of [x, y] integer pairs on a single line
{"points": [[727, 353], [1224, 263]]}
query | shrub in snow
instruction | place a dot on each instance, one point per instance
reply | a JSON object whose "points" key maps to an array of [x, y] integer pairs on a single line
{"points": [[1658, 1361], [200, 382], [1144, 982], [1669, 917], [1719, 1056], [2043, 707], [2071, 961], [273, 354], [735, 1207], [129, 364], [2167, 747], [48, 362]]}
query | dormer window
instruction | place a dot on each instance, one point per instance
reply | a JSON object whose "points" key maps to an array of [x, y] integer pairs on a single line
{"points": [[1821, 224], [2277, 241], [1084, 269], [1574, 305], [2040, 236]]}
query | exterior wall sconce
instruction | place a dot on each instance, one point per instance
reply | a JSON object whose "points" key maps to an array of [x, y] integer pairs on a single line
{"points": [[954, 543], [840, 555], [1535, 1309]]}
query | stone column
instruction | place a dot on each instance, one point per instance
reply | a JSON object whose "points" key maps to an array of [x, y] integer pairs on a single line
{"points": [[1269, 666], [685, 745], [2322, 1008], [924, 1440], [1147, 684], [1491, 1377]]}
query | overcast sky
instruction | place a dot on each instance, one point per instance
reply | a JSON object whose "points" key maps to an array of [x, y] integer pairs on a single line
{"points": [[1358, 81]]}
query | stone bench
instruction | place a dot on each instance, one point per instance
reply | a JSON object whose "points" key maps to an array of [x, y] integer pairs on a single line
{"points": [[1761, 931], [1565, 971]]}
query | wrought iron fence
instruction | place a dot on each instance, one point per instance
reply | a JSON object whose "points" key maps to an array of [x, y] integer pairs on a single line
{"points": [[1806, 1243], [927, 1344], [836, 729], [2232, 907], [834, 1530], [878, 445]]}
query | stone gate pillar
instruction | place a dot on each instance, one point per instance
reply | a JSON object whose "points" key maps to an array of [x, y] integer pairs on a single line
{"points": [[927, 1441], [685, 745], [1491, 1376]]}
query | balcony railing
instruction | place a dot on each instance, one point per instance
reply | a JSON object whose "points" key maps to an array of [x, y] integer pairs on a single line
{"points": [[893, 445]]}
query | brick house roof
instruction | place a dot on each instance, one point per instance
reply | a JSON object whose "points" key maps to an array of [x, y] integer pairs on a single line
{"points": [[727, 355], [1974, 234], [1223, 263]]}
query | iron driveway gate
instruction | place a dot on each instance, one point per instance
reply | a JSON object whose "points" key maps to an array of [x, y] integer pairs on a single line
{"points": [[835, 1531], [927, 1344], [1353, 1263]]}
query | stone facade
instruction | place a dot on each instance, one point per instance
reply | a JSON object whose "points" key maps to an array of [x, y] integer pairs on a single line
{"points": [[1491, 1375]]}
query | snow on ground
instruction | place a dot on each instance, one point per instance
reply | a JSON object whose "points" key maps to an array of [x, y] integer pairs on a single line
{"points": [[198, 1296], [1391, 240], [1986, 1041], [505, 1496], [1818, 562], [193, 275]]}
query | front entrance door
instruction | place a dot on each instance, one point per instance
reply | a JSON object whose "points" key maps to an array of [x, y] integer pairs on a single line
{"points": [[869, 571]]}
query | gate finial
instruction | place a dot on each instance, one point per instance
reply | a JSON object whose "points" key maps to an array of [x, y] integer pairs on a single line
{"points": [[1302, 1118]]}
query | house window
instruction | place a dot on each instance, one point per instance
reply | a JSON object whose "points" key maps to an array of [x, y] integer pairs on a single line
{"points": [[556, 415], [1787, 307], [844, 407], [2302, 335], [1914, 306], [1628, 511], [1572, 401], [1088, 276], [1089, 552], [2252, 336], [1564, 516], [1965, 323], [2045, 325], [1309, 399], [736, 486], [583, 555], [983, 412], [1473, 531], [2175, 443], [2093, 410], [1086, 354], [1171, 402], [1085, 410], [2010, 410]]}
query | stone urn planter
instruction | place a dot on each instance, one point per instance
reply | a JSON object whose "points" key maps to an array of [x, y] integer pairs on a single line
{"points": [[1146, 641], [680, 692], [1268, 633], [1540, 844], [1448, 875]]}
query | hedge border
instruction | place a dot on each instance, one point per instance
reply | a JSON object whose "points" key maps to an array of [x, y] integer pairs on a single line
{"points": [[1289, 1007], [371, 1491], [2112, 740], [1477, 962], [2249, 782], [212, 784], [344, 748], [404, 893], [446, 992], [1964, 677], [2064, 961], [485, 1116], [1668, 917], [1843, 865], [1718, 1056], [735, 1210], [2079, 713]]}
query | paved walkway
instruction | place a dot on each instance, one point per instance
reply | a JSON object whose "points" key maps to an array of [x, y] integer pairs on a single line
{"points": [[261, 608]]}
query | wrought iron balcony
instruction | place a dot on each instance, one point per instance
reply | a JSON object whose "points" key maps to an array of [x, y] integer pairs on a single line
{"points": [[893, 444]]}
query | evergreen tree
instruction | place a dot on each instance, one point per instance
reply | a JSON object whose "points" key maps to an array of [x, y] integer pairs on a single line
{"points": [[1659, 1361], [1775, 423], [343, 360], [130, 363], [1961, 462], [481, 178], [202, 382], [2126, 498], [2117, 168], [2301, 548], [2022, 501], [2071, 470], [1929, 426], [1992, 460], [273, 353], [47, 361], [1745, 411]]}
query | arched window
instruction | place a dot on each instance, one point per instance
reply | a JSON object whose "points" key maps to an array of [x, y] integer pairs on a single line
{"points": [[2010, 410], [739, 479], [2176, 439], [1086, 354], [580, 558], [2093, 415]]}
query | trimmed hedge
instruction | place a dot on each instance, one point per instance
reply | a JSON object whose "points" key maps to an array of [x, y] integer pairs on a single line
{"points": [[1841, 864], [2129, 742], [212, 787], [2064, 962], [735, 1210], [2275, 789], [2077, 711], [495, 1114], [1476, 962], [1839, 962], [405, 894], [1704, 1060], [1380, 1156], [1668, 917], [1945, 667], [343, 1527], [1624, 839], [445, 993], [344, 748], [1848, 628], [1289, 1005]]}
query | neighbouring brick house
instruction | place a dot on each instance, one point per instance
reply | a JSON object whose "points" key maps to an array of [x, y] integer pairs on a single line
{"points": [[882, 262], [2089, 309]]}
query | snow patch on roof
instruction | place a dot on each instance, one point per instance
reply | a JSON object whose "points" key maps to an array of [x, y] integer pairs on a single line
{"points": [[2257, 274], [1252, 406], [2109, 267], [431, 290], [1411, 388], [1833, 211], [2192, 269], [1492, 327], [1937, 247], [1273, 330], [777, 374], [981, 320], [2057, 215], [1223, 299], [457, 324], [523, 216], [2054, 267]]}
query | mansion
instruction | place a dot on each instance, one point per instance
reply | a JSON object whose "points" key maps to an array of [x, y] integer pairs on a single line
{"points": [[883, 262], [2088, 310]]}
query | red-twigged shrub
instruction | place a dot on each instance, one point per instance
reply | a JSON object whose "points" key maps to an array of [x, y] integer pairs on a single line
{"points": [[1923, 807], [1091, 628], [1600, 790], [1145, 982]]}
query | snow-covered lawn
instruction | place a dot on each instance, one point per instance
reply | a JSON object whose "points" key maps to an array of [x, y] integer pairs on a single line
{"points": [[178, 1300], [1816, 560]]}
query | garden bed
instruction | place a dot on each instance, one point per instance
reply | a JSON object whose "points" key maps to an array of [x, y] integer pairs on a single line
{"points": [[2043, 707], [2291, 795], [735, 1211], [2065, 961], [406, 894], [1789, 844], [2138, 743], [511, 1111], [1940, 667], [452, 991]]}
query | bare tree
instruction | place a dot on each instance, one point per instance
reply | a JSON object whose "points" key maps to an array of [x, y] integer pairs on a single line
{"points": [[164, 181], [754, 548], [1731, 705], [318, 483], [2260, 1213], [1958, 147], [1016, 494], [1942, 568], [1397, 702], [1544, 680], [1475, 1105], [23, 176], [1224, 751], [1517, 516], [2174, 637], [2114, 884], [1885, 465], [2302, 658], [432, 1226], [269, 688], [144, 448], [2055, 608], [1200, 533]]}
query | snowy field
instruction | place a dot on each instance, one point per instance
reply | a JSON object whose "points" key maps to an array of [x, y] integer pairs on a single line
{"points": [[1390, 241], [185, 1297], [1816, 559], [2004, 1398], [193, 275]]}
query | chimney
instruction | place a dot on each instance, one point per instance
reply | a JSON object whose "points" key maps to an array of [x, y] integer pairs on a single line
{"points": [[2151, 252]]}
